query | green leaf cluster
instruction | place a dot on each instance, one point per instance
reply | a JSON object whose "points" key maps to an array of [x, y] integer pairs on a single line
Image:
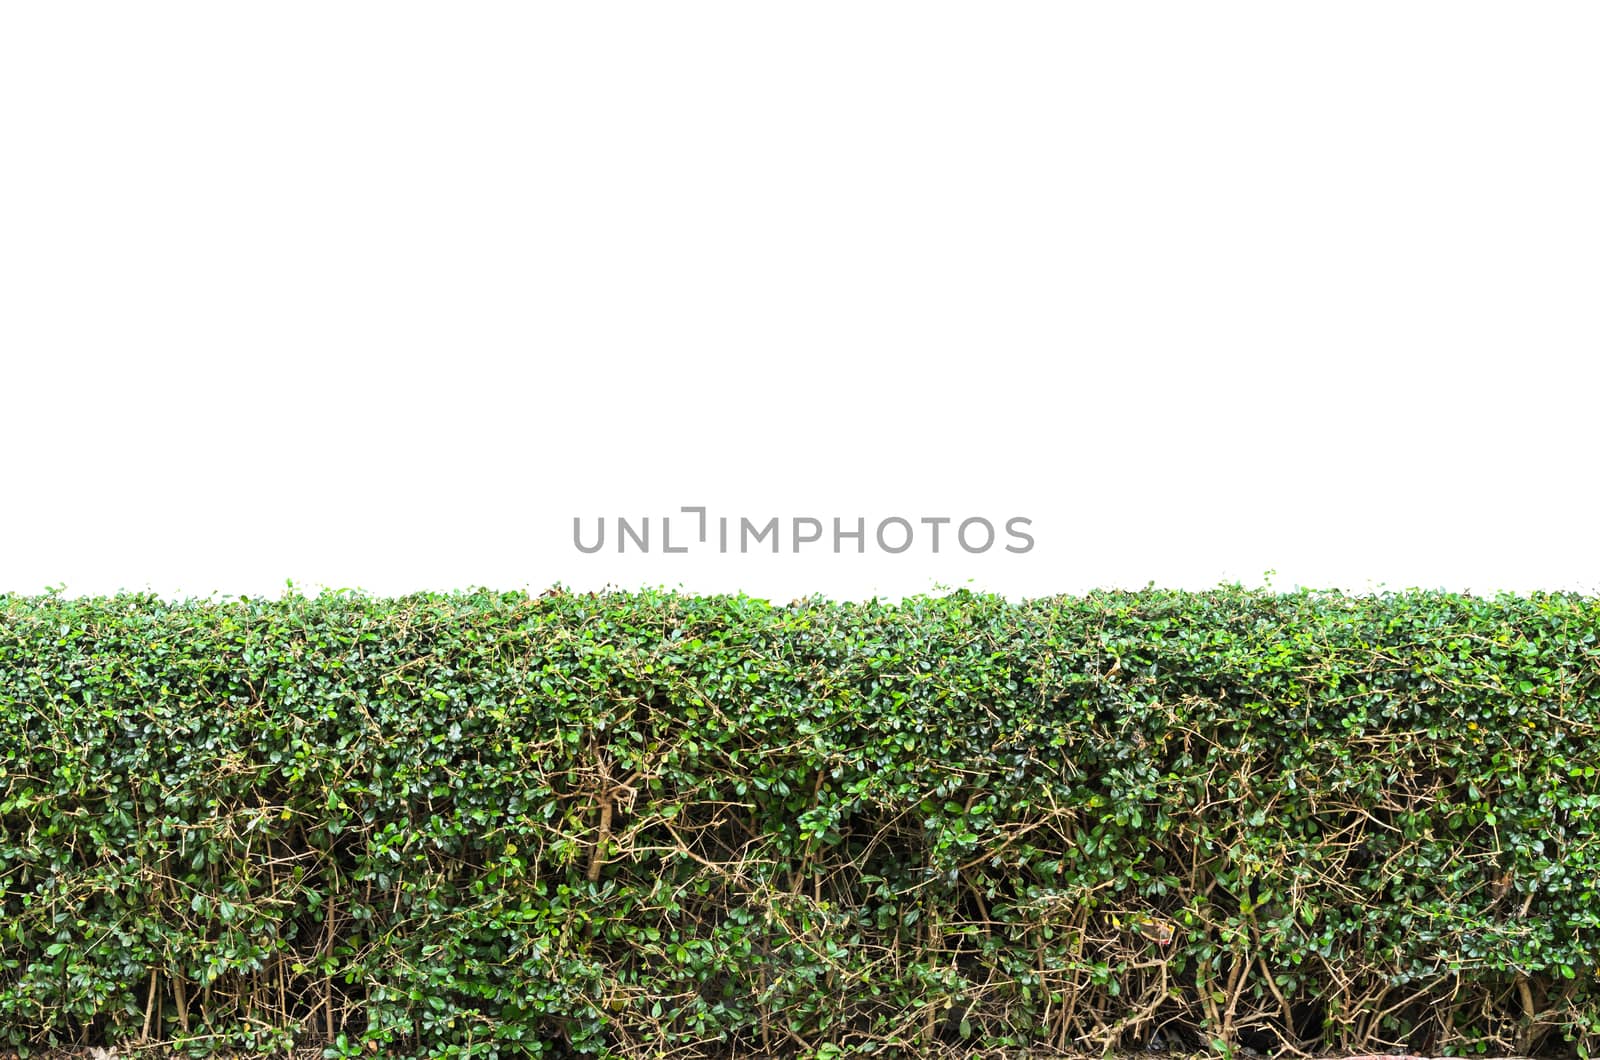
{"points": [[496, 825]]}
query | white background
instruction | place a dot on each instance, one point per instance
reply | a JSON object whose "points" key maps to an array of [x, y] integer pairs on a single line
{"points": [[382, 295]]}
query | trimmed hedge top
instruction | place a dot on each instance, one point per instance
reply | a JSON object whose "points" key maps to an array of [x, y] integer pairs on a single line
{"points": [[497, 825]]}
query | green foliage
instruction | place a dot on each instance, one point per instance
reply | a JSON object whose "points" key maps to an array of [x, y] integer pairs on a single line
{"points": [[492, 825]]}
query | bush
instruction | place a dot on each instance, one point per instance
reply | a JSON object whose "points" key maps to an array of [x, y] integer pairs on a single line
{"points": [[495, 825]]}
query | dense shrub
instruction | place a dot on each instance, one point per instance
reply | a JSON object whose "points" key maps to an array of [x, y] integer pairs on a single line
{"points": [[497, 825]]}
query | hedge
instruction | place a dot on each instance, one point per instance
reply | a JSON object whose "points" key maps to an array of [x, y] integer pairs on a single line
{"points": [[650, 824]]}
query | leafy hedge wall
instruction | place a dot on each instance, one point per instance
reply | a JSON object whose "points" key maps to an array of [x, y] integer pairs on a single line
{"points": [[497, 825]]}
